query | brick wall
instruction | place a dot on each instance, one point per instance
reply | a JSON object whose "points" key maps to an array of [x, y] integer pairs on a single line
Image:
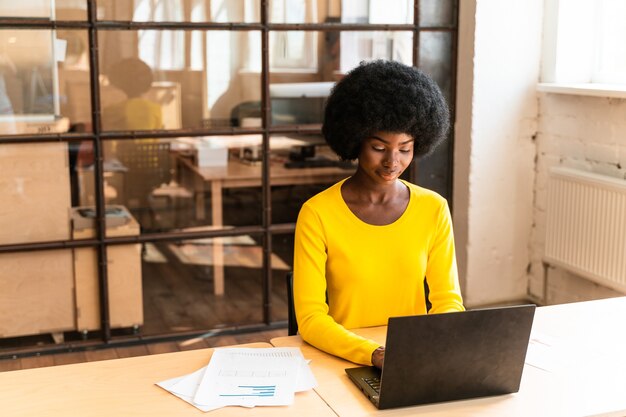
{"points": [[582, 132]]}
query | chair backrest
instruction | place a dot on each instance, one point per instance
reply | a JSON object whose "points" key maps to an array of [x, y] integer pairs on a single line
{"points": [[148, 163], [292, 322]]}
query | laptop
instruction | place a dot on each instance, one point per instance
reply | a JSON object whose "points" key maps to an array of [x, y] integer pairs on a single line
{"points": [[449, 356]]}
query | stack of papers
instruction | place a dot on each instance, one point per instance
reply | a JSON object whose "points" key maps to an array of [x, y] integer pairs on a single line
{"points": [[245, 377]]}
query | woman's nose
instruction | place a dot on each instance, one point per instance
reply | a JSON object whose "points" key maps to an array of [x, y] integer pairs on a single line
{"points": [[390, 158]]}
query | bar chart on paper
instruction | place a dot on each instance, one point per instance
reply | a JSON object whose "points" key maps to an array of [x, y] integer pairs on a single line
{"points": [[252, 391]]}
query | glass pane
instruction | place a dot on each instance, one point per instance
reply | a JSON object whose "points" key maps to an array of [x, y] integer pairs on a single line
{"points": [[300, 11], [437, 12], [36, 295], [435, 59], [35, 190], [233, 79], [301, 166], [433, 170], [179, 79], [184, 184], [74, 84], [229, 11], [282, 262], [202, 284], [44, 81], [372, 11], [364, 46], [124, 280], [300, 83], [62, 10], [28, 81]]}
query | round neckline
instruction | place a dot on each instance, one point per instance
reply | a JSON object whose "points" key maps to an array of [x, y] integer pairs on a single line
{"points": [[358, 220]]}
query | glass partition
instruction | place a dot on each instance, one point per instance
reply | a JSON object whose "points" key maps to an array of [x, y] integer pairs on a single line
{"points": [[181, 137]]}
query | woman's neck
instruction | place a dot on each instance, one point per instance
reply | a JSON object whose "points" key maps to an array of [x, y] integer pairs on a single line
{"points": [[360, 188]]}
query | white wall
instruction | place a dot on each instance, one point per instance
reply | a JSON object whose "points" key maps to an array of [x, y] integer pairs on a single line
{"points": [[587, 133], [497, 108], [507, 136]]}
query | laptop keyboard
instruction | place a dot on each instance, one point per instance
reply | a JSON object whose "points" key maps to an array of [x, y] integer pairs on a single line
{"points": [[374, 383]]}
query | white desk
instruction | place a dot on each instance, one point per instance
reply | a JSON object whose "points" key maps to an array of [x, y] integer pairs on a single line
{"points": [[592, 382], [125, 388], [589, 378]]}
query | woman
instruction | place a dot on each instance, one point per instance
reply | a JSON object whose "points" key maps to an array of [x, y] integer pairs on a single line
{"points": [[364, 246]]}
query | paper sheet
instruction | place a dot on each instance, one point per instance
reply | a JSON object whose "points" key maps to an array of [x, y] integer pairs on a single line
{"points": [[246, 377]]}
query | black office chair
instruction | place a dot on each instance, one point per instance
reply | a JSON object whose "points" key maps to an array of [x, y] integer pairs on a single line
{"points": [[292, 322]]}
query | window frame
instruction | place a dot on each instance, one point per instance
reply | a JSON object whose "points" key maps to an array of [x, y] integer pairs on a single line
{"points": [[94, 25]]}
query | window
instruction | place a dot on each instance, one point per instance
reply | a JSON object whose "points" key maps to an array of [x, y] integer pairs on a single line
{"points": [[583, 42], [376, 45], [293, 49]]}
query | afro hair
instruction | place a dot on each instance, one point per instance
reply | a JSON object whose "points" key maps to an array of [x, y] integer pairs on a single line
{"points": [[385, 96], [132, 76]]}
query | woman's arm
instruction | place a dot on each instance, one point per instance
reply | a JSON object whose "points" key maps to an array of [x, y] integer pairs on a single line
{"points": [[441, 269], [315, 325]]}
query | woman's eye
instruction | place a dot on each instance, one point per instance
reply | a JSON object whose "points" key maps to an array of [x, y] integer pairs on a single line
{"points": [[378, 149], [405, 150]]}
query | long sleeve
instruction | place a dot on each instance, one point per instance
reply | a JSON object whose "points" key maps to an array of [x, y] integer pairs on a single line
{"points": [[441, 270], [315, 325]]}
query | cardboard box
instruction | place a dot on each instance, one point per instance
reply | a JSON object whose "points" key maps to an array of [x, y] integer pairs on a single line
{"points": [[35, 192], [36, 288], [124, 271], [36, 293]]}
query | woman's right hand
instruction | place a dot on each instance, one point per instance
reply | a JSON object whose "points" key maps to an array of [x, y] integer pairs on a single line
{"points": [[378, 357]]}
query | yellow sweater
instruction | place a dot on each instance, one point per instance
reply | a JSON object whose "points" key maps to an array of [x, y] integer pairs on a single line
{"points": [[133, 114], [370, 273]]}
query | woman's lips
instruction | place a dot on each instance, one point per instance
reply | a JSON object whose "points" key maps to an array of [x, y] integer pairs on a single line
{"points": [[388, 174]]}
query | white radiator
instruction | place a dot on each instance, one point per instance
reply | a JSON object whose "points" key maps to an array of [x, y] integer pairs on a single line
{"points": [[586, 225]]}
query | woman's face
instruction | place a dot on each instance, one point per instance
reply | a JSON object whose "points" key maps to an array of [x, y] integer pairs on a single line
{"points": [[385, 155]]}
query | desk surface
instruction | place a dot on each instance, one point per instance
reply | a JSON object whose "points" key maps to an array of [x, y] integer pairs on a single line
{"points": [[588, 377], [124, 387], [237, 173]]}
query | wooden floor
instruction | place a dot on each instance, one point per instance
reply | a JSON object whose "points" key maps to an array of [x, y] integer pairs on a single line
{"points": [[126, 352]]}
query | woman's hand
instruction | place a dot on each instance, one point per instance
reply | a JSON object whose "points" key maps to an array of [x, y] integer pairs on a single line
{"points": [[378, 357]]}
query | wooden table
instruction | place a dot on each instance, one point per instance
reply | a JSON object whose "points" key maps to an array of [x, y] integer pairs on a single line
{"points": [[125, 387], [237, 174], [588, 376]]}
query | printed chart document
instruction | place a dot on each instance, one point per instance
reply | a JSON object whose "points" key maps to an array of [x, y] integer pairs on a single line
{"points": [[245, 377]]}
